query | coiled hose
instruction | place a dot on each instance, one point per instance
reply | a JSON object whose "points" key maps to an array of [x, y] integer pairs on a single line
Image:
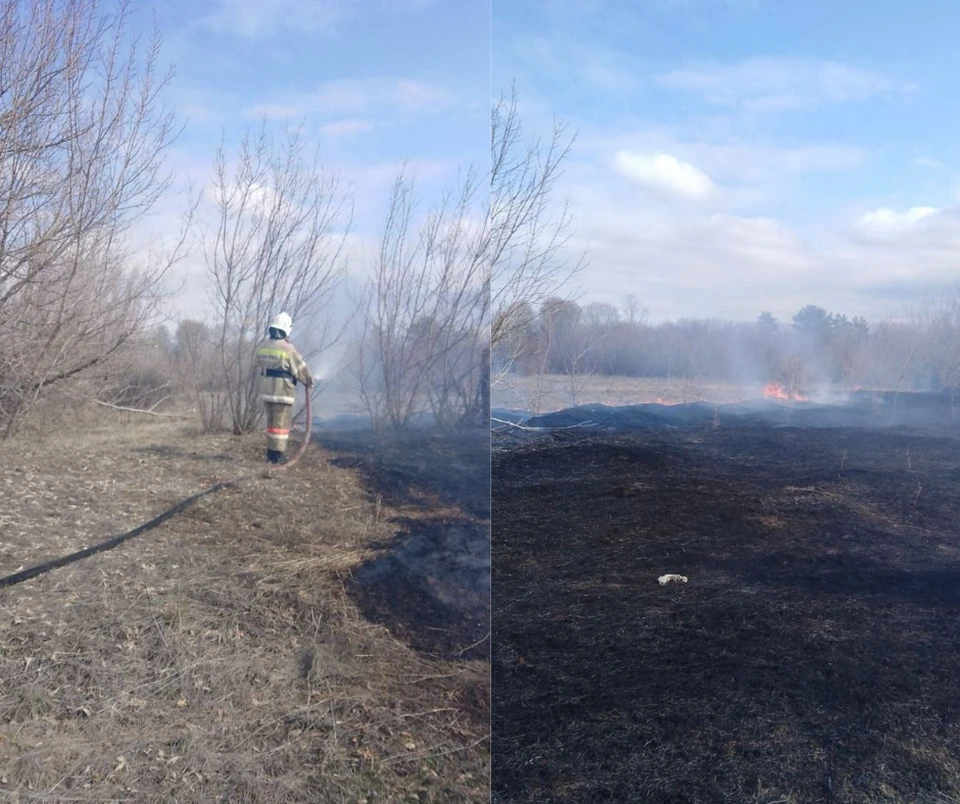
{"points": [[109, 544]]}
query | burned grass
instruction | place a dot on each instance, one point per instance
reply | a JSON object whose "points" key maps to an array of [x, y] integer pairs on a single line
{"points": [[219, 657], [814, 655], [431, 584], [420, 469]]}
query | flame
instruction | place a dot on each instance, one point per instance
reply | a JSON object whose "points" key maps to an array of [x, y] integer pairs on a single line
{"points": [[775, 391]]}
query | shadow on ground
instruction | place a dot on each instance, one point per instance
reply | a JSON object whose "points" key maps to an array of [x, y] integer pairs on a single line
{"points": [[171, 451]]}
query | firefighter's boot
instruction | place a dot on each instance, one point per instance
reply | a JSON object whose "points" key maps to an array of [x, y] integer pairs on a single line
{"points": [[275, 456]]}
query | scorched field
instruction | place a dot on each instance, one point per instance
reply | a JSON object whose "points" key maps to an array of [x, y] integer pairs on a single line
{"points": [[812, 656]]}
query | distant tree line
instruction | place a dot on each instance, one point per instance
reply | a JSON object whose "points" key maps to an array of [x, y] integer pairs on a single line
{"points": [[921, 351]]}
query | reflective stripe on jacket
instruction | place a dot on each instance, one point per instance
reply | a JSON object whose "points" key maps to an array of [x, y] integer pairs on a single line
{"points": [[279, 367]]}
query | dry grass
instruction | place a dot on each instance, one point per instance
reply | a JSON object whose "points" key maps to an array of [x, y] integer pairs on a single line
{"points": [[553, 392], [217, 658]]}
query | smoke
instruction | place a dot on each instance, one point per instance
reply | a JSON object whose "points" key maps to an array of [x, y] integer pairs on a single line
{"points": [[338, 399], [330, 364]]}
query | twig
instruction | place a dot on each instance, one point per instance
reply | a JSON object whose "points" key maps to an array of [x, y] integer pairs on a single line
{"points": [[139, 410], [428, 712], [421, 679], [916, 476], [903, 374], [475, 644], [541, 429], [430, 755]]}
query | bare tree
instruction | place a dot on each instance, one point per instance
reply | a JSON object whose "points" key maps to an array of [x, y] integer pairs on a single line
{"points": [[199, 373], [632, 311], [425, 336], [274, 241], [83, 134], [577, 360], [941, 325], [528, 235]]}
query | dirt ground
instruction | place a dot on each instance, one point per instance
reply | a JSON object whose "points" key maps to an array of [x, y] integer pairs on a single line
{"points": [[222, 656], [813, 655]]}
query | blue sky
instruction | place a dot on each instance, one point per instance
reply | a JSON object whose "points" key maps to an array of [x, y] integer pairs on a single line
{"points": [[376, 83], [735, 156]]}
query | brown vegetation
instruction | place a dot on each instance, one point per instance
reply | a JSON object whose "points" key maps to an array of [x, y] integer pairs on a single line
{"points": [[83, 134], [220, 657]]}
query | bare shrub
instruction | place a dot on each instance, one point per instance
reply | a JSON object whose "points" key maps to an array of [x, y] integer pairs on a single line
{"points": [[528, 236], [199, 369], [793, 374], [273, 240], [940, 322], [425, 338], [83, 134]]}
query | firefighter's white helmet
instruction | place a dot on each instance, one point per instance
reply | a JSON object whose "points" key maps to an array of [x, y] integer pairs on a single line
{"points": [[283, 323]]}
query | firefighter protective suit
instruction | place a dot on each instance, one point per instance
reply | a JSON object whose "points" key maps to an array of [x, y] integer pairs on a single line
{"points": [[279, 367]]}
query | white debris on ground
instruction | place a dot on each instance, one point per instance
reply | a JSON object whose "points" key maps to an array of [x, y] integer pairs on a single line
{"points": [[672, 578]]}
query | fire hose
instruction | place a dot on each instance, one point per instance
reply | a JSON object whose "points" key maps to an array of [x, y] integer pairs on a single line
{"points": [[115, 541]]}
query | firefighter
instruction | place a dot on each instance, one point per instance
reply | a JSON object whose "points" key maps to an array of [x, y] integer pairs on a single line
{"points": [[279, 368]]}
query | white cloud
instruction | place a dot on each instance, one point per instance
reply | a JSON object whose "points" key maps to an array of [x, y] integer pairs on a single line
{"points": [[255, 19], [758, 163], [768, 84], [886, 222], [741, 167], [359, 96], [349, 127], [253, 199], [569, 59], [714, 265], [927, 162], [259, 19], [667, 174], [743, 251], [889, 217], [733, 267], [688, 261], [418, 96], [377, 176], [275, 111], [735, 254], [612, 79], [756, 240]]}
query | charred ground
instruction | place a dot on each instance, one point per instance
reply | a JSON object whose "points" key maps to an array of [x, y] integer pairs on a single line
{"points": [[431, 583], [814, 655]]}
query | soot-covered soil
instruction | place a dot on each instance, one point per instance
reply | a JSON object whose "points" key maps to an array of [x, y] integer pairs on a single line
{"points": [[431, 583], [813, 656]]}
